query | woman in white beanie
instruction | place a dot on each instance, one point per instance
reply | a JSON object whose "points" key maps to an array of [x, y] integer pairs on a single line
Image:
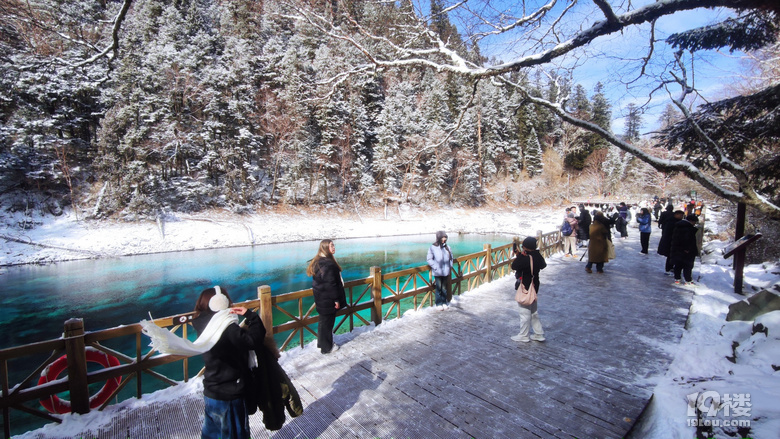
{"points": [[227, 363]]}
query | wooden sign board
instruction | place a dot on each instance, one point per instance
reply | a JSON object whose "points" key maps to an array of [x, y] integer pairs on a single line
{"points": [[740, 243]]}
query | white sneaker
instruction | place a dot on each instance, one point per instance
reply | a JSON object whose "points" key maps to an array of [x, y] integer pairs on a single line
{"points": [[334, 348], [538, 337], [522, 338]]}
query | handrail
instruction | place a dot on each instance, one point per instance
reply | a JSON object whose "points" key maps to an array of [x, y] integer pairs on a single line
{"points": [[371, 300]]}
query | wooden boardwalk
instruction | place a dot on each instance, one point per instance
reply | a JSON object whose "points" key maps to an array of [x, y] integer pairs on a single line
{"points": [[457, 374]]}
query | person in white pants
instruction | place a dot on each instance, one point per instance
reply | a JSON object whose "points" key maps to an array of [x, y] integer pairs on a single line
{"points": [[570, 241], [529, 317]]}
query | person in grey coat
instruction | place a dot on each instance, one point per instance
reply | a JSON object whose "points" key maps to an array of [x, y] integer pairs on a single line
{"points": [[440, 260]]}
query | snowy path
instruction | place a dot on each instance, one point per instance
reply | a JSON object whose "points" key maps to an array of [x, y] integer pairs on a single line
{"points": [[456, 373]]}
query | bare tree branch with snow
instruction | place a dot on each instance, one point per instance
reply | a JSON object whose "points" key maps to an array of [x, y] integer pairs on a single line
{"points": [[548, 44]]}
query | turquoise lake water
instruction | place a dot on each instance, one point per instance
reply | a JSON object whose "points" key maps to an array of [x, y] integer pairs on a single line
{"points": [[37, 300]]}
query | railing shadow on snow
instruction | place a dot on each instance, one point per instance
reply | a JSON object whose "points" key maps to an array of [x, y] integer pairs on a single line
{"points": [[289, 318]]}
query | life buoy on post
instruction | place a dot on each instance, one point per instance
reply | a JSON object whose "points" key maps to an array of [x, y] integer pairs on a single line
{"points": [[55, 404]]}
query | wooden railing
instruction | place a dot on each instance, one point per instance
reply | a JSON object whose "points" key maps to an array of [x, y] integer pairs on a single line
{"points": [[288, 317], [378, 297]]}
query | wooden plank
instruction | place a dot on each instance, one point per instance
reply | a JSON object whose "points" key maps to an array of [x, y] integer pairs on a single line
{"points": [[457, 374]]}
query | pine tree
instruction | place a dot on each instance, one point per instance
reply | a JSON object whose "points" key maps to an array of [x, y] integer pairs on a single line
{"points": [[601, 115], [533, 155], [49, 113], [499, 154], [436, 161], [579, 105], [398, 125], [633, 122], [614, 167], [669, 116]]}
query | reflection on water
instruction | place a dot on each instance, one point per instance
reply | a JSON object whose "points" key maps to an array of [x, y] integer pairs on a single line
{"points": [[37, 300]]}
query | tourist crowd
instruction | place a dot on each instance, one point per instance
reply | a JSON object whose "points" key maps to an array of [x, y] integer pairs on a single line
{"points": [[593, 226]]}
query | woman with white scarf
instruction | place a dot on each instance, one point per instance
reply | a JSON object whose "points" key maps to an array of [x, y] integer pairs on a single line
{"points": [[225, 347]]}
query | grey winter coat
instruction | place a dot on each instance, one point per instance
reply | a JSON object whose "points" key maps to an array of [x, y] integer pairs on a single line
{"points": [[440, 259]]}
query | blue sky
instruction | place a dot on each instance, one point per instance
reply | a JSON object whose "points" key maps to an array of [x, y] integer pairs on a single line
{"points": [[614, 60]]}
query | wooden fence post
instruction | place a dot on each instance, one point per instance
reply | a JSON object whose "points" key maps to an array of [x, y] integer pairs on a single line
{"points": [[75, 349], [376, 294], [488, 263], [139, 377], [539, 243], [266, 309], [185, 362], [267, 316]]}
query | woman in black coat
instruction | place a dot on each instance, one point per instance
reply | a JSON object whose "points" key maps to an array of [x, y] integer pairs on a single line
{"points": [[329, 294], [665, 244], [529, 316], [684, 248], [226, 379], [584, 221]]}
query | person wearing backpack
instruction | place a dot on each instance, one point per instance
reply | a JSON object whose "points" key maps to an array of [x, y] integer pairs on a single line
{"points": [[569, 232]]}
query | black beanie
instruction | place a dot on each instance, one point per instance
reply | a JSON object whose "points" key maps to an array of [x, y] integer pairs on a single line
{"points": [[530, 243]]}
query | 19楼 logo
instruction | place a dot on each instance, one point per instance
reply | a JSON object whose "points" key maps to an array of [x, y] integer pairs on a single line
{"points": [[705, 407]]}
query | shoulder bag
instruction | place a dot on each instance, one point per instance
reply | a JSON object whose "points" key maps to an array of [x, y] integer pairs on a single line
{"points": [[527, 296]]}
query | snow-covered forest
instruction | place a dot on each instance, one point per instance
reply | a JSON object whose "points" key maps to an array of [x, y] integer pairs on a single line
{"points": [[139, 108]]}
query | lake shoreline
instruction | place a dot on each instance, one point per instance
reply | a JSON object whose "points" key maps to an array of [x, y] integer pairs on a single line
{"points": [[64, 238]]}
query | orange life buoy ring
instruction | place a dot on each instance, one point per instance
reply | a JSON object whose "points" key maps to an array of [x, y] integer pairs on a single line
{"points": [[55, 404]]}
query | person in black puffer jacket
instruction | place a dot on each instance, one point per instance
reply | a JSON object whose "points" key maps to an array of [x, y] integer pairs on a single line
{"points": [[665, 243], [584, 221], [666, 215], [329, 294], [684, 249], [226, 380]]}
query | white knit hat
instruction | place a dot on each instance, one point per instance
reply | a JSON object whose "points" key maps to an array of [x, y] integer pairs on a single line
{"points": [[219, 301]]}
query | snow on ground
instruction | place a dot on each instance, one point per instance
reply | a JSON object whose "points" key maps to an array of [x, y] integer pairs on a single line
{"points": [[730, 372], [731, 363], [65, 238]]}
